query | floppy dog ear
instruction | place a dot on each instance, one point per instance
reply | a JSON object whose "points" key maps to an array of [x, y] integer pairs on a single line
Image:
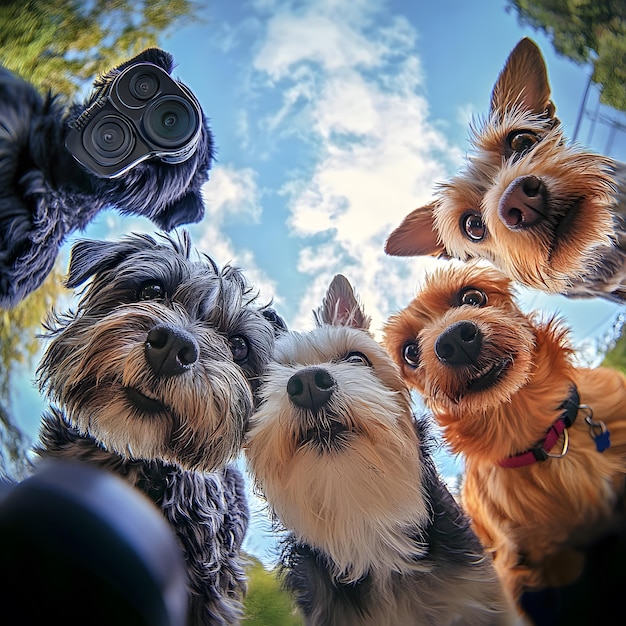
{"points": [[340, 307], [90, 256], [523, 80], [187, 209], [416, 235], [278, 323]]}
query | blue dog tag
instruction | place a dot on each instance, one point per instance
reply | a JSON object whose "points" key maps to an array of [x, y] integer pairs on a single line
{"points": [[603, 440]]}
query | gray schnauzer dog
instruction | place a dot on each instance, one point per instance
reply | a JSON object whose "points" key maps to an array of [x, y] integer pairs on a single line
{"points": [[139, 142], [152, 378], [374, 537]]}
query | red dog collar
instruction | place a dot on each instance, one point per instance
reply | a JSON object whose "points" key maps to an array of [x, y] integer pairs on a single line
{"points": [[540, 451]]}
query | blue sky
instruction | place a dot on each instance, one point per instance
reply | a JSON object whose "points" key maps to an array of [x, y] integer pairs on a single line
{"points": [[333, 119]]}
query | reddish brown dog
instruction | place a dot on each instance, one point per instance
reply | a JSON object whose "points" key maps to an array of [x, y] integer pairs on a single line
{"points": [[544, 441]]}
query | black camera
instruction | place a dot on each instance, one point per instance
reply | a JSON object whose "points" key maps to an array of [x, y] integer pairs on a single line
{"points": [[144, 113]]}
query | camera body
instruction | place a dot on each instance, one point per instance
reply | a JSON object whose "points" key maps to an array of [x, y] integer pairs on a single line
{"points": [[143, 113]]}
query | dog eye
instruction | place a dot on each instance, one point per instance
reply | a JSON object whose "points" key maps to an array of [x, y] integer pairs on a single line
{"points": [[151, 291], [521, 141], [357, 358], [239, 347], [473, 297], [473, 226], [411, 353]]}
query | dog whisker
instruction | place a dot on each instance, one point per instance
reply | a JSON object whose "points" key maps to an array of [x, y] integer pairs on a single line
{"points": [[148, 386], [344, 467]]}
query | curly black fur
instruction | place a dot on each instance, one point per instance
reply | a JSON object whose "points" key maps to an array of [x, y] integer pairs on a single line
{"points": [[45, 194], [208, 512]]}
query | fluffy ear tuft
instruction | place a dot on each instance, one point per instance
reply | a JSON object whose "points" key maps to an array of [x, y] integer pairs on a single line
{"points": [[523, 80], [278, 323], [186, 210], [416, 235], [341, 307]]}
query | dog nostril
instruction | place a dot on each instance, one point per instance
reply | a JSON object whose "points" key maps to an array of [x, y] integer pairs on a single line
{"points": [[531, 186], [295, 386], [459, 344], [323, 380], [170, 350], [523, 203], [467, 331], [311, 388]]}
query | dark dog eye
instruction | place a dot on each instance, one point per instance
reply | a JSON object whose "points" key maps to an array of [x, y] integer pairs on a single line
{"points": [[520, 141], [357, 358], [239, 347], [472, 226], [151, 291], [411, 353], [473, 297]]}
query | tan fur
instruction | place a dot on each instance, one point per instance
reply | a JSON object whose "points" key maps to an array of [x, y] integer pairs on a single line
{"points": [[578, 230], [531, 518], [357, 507], [363, 494]]}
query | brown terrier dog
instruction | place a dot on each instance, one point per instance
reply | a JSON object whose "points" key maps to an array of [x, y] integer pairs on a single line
{"points": [[541, 210], [543, 479]]}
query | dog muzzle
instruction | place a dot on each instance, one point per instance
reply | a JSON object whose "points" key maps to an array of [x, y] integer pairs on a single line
{"points": [[143, 114]]}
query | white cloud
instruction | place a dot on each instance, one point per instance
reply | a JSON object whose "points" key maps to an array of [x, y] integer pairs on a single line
{"points": [[232, 194], [352, 88]]}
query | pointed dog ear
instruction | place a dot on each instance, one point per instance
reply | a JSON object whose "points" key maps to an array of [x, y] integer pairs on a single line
{"points": [[523, 81], [416, 235], [341, 307]]}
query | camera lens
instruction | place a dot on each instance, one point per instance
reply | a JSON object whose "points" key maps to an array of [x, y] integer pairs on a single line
{"points": [[111, 138], [170, 122], [143, 85]]}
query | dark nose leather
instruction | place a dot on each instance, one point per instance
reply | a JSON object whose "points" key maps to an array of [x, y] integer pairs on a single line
{"points": [[170, 350], [523, 204], [311, 388], [459, 344]]}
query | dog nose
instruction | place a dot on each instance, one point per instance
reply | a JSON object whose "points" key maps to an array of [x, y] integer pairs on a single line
{"points": [[523, 203], [311, 388], [459, 344], [170, 350]]}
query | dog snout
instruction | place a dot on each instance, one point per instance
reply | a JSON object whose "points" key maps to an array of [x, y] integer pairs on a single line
{"points": [[523, 203], [311, 388], [170, 350], [459, 344]]}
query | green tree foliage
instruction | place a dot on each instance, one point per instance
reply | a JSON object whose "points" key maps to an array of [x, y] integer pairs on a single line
{"points": [[60, 44], [19, 328], [19, 345], [266, 603], [615, 356], [586, 31]]}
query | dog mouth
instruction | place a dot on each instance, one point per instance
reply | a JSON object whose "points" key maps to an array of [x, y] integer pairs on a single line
{"points": [[564, 227], [326, 435], [145, 403], [490, 375]]}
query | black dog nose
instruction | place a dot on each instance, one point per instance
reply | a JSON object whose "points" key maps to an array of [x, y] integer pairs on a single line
{"points": [[459, 344], [311, 388], [523, 203], [170, 350]]}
